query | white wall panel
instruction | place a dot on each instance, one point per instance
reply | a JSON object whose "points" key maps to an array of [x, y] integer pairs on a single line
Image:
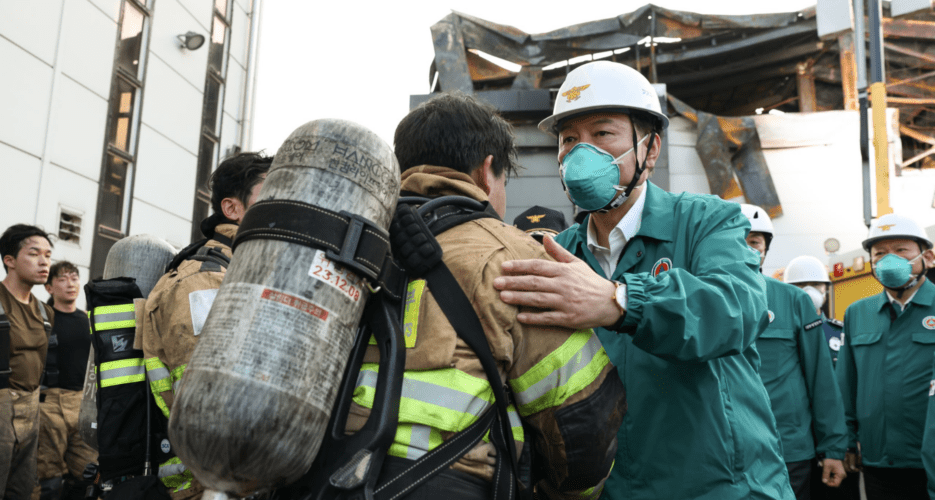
{"points": [[165, 175], [88, 44], [33, 25], [20, 174], [202, 11], [233, 94], [77, 138], [110, 8], [148, 219], [171, 105], [240, 35], [230, 135], [63, 188], [169, 21], [24, 99]]}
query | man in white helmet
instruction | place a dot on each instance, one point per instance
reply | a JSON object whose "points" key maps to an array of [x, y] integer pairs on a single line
{"points": [[674, 295], [809, 274], [799, 377], [885, 366]]}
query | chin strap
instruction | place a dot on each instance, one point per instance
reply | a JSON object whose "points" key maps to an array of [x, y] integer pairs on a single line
{"points": [[623, 196]]}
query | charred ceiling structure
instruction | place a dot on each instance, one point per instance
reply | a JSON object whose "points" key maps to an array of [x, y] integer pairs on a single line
{"points": [[725, 66]]}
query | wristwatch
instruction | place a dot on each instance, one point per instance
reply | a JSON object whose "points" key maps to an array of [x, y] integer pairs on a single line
{"points": [[620, 300]]}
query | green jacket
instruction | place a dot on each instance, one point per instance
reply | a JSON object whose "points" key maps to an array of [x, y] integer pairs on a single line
{"points": [[799, 377], [884, 370], [832, 329], [698, 422], [928, 439]]}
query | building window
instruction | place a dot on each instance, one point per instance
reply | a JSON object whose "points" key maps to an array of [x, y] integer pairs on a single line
{"points": [[212, 112], [123, 118]]}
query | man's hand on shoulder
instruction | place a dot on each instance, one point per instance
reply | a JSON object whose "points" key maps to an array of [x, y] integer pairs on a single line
{"points": [[570, 293]]}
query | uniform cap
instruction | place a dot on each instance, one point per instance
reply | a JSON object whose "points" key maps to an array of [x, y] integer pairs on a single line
{"points": [[539, 221]]}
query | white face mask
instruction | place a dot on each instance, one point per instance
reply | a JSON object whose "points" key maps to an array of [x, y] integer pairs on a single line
{"points": [[817, 297]]}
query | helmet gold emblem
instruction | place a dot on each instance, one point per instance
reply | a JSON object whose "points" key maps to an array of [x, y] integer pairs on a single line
{"points": [[574, 93], [886, 227]]}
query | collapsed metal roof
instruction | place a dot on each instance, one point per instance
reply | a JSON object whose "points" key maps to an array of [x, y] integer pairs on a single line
{"points": [[716, 64]]}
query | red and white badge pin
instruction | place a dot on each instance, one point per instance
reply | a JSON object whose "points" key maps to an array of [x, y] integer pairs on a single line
{"points": [[662, 265], [772, 316], [929, 322]]}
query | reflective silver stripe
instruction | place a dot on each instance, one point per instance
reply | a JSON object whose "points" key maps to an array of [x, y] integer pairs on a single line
{"points": [[175, 385], [513, 415], [171, 470], [563, 374], [157, 374], [112, 317], [418, 442], [122, 372], [433, 394], [199, 304]]}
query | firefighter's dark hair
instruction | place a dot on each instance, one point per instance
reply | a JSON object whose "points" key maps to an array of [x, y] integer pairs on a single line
{"points": [[60, 268], [236, 176], [14, 239], [457, 131]]}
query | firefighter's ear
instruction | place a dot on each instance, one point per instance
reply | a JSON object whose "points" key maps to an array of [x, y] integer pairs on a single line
{"points": [[929, 257], [233, 209], [483, 175]]}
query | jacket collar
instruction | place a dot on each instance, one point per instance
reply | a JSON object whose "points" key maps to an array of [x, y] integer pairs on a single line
{"points": [[657, 217], [924, 296], [432, 182]]}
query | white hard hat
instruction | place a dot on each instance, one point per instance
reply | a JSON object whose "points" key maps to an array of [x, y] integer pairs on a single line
{"points": [[759, 220], [604, 85], [892, 226], [805, 269]]}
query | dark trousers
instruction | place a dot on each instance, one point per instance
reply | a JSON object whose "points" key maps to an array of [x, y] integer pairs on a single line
{"points": [[800, 475], [886, 483]]}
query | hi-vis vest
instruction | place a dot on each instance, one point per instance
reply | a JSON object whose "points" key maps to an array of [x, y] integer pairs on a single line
{"points": [[449, 400]]}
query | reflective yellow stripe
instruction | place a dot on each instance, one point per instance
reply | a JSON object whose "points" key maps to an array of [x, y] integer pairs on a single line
{"points": [[125, 371], [564, 372], [411, 316], [159, 382], [177, 373], [447, 399], [114, 317], [175, 475], [433, 401]]}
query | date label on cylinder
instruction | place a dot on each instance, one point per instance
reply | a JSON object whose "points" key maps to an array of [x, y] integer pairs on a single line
{"points": [[335, 276]]}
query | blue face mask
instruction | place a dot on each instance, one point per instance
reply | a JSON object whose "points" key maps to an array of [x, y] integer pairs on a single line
{"points": [[893, 271], [592, 176]]}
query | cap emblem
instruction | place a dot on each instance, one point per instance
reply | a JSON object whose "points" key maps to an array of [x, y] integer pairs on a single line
{"points": [[886, 227], [535, 218], [574, 93]]}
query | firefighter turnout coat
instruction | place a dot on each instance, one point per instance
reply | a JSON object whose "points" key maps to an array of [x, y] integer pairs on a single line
{"points": [[563, 384], [175, 312]]}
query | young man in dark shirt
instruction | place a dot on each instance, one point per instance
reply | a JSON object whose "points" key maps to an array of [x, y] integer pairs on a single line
{"points": [[62, 454]]}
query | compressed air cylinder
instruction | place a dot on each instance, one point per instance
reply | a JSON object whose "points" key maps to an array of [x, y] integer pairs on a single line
{"points": [[256, 396], [143, 257]]}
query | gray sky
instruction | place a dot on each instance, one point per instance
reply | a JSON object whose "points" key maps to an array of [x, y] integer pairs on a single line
{"points": [[361, 60]]}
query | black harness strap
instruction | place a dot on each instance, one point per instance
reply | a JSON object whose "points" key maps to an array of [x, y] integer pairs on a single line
{"points": [[347, 239]]}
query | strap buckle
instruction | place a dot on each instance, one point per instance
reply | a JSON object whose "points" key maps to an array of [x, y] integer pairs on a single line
{"points": [[355, 229]]}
